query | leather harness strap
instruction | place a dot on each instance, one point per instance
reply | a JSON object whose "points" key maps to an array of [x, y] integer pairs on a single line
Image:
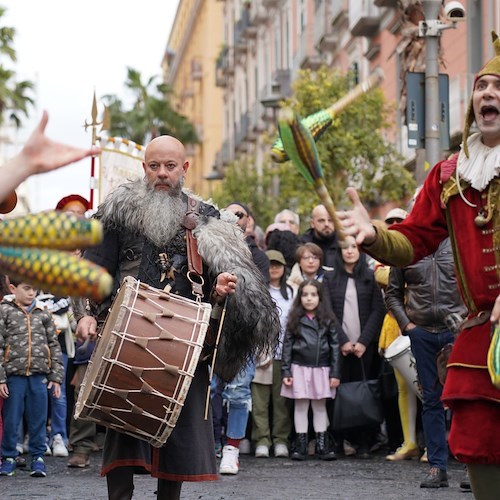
{"points": [[195, 263]]}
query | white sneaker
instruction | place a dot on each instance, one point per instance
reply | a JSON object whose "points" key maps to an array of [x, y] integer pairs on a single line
{"points": [[58, 447], [229, 463], [19, 448], [245, 447], [48, 451], [281, 450], [262, 451]]}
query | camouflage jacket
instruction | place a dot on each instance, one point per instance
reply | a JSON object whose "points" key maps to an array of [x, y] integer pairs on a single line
{"points": [[28, 343]]}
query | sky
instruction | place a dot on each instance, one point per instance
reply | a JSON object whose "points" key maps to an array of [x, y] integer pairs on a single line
{"points": [[71, 49]]}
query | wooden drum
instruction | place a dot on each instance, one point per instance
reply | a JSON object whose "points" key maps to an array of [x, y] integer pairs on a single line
{"points": [[141, 369]]}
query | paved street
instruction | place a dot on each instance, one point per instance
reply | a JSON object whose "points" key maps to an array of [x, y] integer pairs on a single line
{"points": [[269, 479]]}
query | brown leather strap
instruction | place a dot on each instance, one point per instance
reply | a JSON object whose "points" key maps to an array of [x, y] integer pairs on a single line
{"points": [[195, 264], [481, 318]]}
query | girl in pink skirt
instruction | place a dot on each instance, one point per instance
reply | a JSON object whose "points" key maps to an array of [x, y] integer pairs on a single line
{"points": [[310, 366]]}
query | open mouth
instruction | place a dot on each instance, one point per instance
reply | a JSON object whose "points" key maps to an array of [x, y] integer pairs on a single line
{"points": [[489, 112]]}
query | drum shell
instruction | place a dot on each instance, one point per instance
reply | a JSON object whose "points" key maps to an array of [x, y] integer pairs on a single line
{"points": [[141, 369], [400, 357]]}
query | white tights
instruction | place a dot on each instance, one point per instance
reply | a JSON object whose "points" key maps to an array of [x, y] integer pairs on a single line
{"points": [[320, 417]]}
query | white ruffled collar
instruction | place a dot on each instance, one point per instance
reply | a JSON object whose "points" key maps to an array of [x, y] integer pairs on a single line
{"points": [[482, 165]]}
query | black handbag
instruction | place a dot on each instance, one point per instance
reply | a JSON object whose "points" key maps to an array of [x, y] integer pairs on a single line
{"points": [[358, 404]]}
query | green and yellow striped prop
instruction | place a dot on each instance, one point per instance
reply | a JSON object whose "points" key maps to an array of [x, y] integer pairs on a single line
{"points": [[61, 273], [56, 230], [494, 357], [319, 121], [301, 149]]}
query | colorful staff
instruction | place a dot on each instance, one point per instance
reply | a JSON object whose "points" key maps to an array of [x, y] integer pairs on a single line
{"points": [[318, 122], [57, 230], [61, 273], [301, 149]]}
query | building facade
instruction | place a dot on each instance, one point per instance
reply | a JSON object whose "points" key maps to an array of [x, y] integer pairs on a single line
{"points": [[264, 43]]}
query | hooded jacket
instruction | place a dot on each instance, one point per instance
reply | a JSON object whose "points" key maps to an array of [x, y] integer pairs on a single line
{"points": [[28, 343]]}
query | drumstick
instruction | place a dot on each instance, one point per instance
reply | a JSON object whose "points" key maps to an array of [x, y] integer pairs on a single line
{"points": [[216, 346]]}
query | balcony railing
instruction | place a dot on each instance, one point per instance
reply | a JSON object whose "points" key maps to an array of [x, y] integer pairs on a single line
{"points": [[364, 17], [224, 66]]}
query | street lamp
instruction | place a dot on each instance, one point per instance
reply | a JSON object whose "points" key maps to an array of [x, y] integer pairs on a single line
{"points": [[431, 29]]}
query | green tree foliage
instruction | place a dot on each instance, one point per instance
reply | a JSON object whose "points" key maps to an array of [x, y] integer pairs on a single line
{"points": [[15, 98], [353, 152], [151, 113]]}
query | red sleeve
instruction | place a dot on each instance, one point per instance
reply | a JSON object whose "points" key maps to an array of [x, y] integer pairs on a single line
{"points": [[426, 226]]}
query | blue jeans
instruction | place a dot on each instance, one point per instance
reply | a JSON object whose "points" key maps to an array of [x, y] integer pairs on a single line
{"points": [[237, 397], [425, 346], [26, 395], [59, 409]]}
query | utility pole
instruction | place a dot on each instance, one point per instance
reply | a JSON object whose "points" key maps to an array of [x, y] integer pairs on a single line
{"points": [[431, 28]]}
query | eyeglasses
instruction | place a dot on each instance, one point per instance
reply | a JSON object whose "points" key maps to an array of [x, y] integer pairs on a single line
{"points": [[309, 257], [240, 215]]}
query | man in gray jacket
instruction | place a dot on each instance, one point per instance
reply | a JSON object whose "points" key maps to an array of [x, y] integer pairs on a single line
{"points": [[425, 301]]}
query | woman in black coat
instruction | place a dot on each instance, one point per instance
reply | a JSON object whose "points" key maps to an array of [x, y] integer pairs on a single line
{"points": [[358, 305]]}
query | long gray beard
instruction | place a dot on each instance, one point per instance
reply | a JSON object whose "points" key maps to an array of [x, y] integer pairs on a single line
{"points": [[163, 214]]}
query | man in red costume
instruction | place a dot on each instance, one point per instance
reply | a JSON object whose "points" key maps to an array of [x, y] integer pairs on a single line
{"points": [[460, 199]]}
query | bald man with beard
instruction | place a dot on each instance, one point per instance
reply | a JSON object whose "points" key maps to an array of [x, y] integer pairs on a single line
{"points": [[145, 237], [322, 233]]}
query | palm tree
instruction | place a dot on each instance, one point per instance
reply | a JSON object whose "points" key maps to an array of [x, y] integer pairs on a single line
{"points": [[15, 97], [151, 114]]}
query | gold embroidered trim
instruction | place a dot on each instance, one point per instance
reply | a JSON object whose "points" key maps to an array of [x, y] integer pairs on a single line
{"points": [[465, 365]]}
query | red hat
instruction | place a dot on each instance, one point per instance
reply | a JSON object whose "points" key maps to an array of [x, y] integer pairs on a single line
{"points": [[9, 203], [72, 197]]}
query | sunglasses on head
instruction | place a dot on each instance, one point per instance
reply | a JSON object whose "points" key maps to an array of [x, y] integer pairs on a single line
{"points": [[240, 215]]}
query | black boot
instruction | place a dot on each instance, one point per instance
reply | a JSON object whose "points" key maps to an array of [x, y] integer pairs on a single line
{"points": [[323, 447], [300, 451]]}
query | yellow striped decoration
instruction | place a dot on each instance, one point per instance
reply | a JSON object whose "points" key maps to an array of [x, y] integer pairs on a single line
{"points": [[56, 230], [494, 357], [61, 273]]}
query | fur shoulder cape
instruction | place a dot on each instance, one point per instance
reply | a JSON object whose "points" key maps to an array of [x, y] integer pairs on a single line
{"points": [[251, 326]]}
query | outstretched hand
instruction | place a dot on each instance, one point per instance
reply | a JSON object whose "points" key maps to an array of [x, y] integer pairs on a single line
{"points": [[357, 222], [39, 154], [43, 154]]}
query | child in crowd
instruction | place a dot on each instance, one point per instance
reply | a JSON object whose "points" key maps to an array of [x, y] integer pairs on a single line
{"points": [[311, 365], [31, 364], [266, 384]]}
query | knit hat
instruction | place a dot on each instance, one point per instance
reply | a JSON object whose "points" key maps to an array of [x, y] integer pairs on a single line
{"points": [[72, 197], [275, 256], [492, 67]]}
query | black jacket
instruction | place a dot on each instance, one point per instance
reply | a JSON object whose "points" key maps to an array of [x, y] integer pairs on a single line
{"points": [[314, 346], [425, 292], [370, 303], [259, 257]]}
